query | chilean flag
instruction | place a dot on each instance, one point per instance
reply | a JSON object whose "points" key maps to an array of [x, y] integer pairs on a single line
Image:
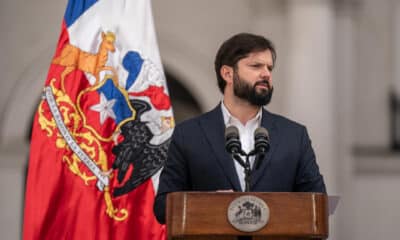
{"points": [[106, 59]]}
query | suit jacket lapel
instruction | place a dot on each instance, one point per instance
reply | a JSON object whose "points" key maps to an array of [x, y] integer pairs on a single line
{"points": [[214, 128], [267, 122]]}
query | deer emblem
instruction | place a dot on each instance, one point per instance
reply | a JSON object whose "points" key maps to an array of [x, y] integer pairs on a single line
{"points": [[73, 58]]}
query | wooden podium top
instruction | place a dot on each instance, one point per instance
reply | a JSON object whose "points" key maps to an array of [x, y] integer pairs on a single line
{"points": [[203, 215]]}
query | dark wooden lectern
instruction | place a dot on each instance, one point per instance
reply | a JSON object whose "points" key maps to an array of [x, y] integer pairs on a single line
{"points": [[203, 215]]}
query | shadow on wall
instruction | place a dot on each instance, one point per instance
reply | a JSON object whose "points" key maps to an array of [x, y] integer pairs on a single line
{"points": [[183, 103]]}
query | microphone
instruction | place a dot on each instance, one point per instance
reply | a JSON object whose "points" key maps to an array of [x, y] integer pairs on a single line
{"points": [[261, 145], [233, 145], [232, 140]]}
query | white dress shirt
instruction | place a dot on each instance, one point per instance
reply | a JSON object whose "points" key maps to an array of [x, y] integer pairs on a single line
{"points": [[246, 133]]}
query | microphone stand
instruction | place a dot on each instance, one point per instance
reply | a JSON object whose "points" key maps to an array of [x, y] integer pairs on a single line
{"points": [[247, 167], [247, 174], [233, 146]]}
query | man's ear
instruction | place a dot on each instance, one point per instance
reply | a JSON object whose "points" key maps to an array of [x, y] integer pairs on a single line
{"points": [[227, 73]]}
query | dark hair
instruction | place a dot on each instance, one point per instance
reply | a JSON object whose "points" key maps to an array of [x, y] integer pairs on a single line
{"points": [[238, 47]]}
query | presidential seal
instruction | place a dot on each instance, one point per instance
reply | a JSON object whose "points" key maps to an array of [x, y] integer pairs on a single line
{"points": [[248, 213]]}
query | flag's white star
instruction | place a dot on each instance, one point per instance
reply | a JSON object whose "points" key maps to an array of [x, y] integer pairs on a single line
{"points": [[104, 107]]}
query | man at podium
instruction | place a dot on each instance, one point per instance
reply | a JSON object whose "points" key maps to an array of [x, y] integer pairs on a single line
{"points": [[221, 149]]}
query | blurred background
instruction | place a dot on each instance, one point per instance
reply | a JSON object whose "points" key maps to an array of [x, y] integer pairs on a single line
{"points": [[337, 72]]}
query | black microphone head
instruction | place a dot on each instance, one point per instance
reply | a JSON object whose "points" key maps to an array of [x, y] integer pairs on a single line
{"points": [[261, 132], [232, 140], [231, 131], [261, 140], [261, 145]]}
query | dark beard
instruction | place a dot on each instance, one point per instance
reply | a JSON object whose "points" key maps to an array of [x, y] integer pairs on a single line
{"points": [[249, 93]]}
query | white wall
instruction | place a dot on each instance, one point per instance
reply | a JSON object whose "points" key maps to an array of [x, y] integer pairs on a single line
{"points": [[29, 34]]}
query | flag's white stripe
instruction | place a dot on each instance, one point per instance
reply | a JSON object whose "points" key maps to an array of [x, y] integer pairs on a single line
{"points": [[130, 21]]}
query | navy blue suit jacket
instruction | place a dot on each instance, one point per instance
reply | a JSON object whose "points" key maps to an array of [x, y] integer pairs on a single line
{"points": [[197, 160]]}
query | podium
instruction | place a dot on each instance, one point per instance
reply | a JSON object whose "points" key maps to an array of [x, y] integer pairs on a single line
{"points": [[204, 215]]}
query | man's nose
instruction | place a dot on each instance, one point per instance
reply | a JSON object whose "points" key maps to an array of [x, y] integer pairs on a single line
{"points": [[266, 73]]}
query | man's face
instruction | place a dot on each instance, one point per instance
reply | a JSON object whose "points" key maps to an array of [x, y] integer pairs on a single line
{"points": [[252, 78]]}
